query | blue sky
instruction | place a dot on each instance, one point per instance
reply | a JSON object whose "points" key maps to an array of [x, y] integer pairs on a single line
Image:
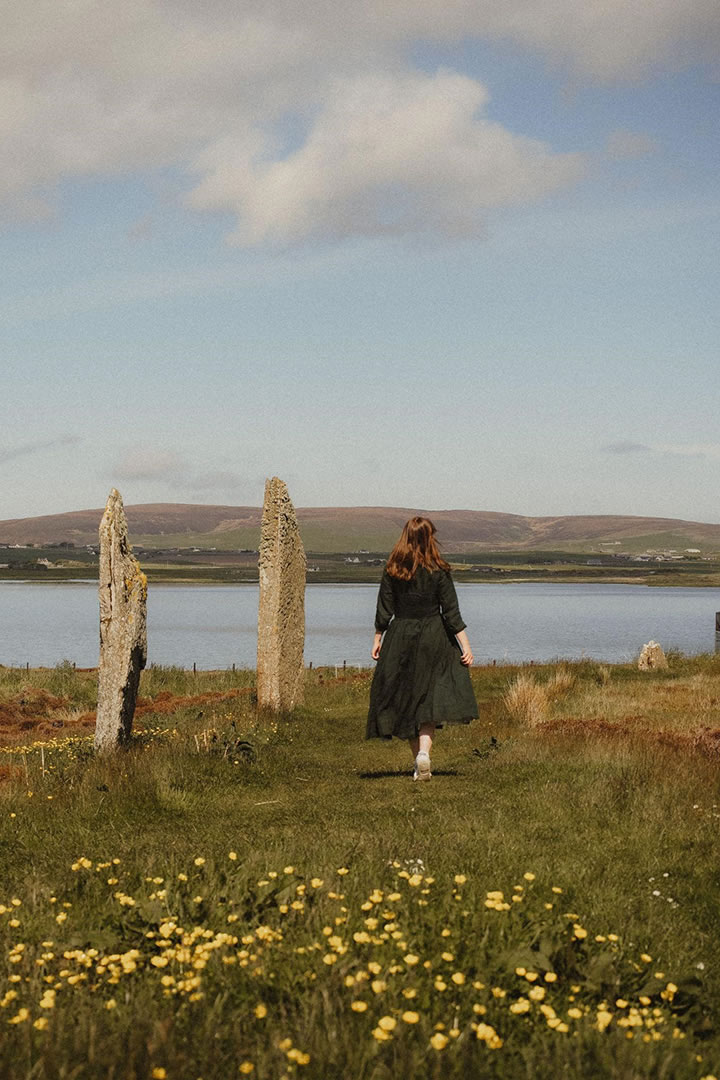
{"points": [[434, 256]]}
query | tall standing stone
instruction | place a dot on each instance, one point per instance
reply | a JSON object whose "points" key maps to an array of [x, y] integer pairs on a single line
{"points": [[123, 633], [281, 618]]}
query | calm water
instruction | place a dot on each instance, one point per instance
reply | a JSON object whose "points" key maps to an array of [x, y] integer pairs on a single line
{"points": [[215, 625]]}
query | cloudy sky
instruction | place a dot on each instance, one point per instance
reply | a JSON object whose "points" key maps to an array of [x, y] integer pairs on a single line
{"points": [[449, 254]]}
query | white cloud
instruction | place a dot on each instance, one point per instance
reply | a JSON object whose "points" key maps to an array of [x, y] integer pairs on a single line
{"points": [[682, 450], [626, 447], [94, 89], [166, 468], [387, 155], [701, 450], [10, 453], [626, 145], [147, 463]]}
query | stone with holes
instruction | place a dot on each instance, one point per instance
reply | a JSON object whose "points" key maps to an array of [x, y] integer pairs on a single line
{"points": [[652, 657], [123, 634], [281, 616]]}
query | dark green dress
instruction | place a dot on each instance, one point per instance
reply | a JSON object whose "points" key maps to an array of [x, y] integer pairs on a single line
{"points": [[419, 678]]}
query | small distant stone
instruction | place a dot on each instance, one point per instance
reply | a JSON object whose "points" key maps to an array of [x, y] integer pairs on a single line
{"points": [[652, 657]]}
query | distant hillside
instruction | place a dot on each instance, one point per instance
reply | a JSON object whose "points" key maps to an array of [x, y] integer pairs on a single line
{"points": [[373, 528]]}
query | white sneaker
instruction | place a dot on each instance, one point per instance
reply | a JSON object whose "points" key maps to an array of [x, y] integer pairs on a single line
{"points": [[422, 767]]}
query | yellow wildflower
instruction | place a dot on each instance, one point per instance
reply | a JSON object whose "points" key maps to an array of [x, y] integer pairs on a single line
{"points": [[603, 1019], [439, 1041], [522, 1005]]}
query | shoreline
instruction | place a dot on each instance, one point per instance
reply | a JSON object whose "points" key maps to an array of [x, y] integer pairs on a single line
{"points": [[459, 580]]}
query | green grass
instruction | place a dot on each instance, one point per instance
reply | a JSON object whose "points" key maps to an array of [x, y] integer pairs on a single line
{"points": [[267, 951]]}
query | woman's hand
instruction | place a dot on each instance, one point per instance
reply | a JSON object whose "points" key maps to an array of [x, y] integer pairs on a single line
{"points": [[467, 656], [376, 645]]}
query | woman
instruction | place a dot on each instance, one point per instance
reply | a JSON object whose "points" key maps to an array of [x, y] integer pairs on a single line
{"points": [[422, 679]]}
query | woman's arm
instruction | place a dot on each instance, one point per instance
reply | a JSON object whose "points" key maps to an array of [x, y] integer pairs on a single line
{"points": [[467, 656], [383, 613], [453, 619]]}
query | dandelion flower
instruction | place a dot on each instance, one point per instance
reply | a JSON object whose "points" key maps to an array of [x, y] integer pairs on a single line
{"points": [[529, 876], [359, 1006], [199, 861], [439, 1041], [410, 1017], [246, 1067], [233, 855], [387, 1023]]}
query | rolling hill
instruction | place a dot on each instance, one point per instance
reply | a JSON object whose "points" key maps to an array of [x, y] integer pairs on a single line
{"points": [[371, 528]]}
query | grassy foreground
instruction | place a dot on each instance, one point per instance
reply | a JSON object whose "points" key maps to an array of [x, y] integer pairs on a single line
{"points": [[237, 896]]}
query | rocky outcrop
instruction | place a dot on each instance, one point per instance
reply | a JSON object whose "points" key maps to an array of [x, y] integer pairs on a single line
{"points": [[281, 616], [652, 657], [123, 634]]}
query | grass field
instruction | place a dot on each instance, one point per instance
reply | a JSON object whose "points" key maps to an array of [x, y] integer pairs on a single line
{"points": [[241, 896]]}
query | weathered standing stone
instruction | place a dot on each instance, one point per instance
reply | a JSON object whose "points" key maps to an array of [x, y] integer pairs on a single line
{"points": [[281, 617], [652, 657], [123, 634]]}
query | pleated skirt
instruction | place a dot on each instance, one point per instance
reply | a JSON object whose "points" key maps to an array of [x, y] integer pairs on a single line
{"points": [[419, 679]]}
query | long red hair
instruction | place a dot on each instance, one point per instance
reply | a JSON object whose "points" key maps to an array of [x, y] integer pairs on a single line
{"points": [[416, 547]]}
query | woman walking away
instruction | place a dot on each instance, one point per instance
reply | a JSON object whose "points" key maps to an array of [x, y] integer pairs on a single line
{"points": [[421, 680]]}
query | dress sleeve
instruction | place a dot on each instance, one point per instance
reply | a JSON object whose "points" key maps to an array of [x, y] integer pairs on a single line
{"points": [[385, 604], [449, 604]]}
